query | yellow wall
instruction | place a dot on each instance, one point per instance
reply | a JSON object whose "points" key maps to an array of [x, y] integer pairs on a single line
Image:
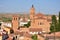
{"points": [[7, 29], [0, 37]]}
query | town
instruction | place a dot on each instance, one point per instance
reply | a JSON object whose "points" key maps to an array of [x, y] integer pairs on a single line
{"points": [[35, 27]]}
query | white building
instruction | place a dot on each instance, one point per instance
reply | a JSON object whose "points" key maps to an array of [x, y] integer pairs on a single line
{"points": [[22, 21]]}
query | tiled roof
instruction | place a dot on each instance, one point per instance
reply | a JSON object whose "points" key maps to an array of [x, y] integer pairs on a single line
{"points": [[35, 29], [40, 18], [7, 27], [28, 35], [39, 14], [52, 37], [57, 35]]}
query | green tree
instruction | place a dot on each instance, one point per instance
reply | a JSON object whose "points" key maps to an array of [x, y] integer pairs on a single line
{"points": [[59, 22], [59, 17], [34, 37], [53, 27], [4, 19], [27, 25]]}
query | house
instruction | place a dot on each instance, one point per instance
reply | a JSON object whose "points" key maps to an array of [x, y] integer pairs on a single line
{"points": [[23, 21], [7, 29], [7, 24]]}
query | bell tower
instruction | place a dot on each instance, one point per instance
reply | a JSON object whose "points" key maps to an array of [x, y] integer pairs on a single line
{"points": [[32, 14], [15, 22]]}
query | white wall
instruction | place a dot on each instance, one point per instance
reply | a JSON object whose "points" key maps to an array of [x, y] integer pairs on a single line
{"points": [[7, 24], [22, 23]]}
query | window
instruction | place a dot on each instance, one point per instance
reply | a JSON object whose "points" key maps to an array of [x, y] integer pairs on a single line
{"points": [[14, 18], [40, 23]]}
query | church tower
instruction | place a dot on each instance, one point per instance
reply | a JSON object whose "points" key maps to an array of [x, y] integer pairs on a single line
{"points": [[15, 22], [32, 14]]}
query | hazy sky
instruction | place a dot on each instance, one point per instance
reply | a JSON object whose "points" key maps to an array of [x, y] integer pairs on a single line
{"points": [[44, 6]]}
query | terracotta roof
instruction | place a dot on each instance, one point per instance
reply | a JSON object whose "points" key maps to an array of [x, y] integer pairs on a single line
{"points": [[57, 35], [39, 14], [40, 18], [52, 37], [7, 27], [35, 29], [18, 32], [28, 35]]}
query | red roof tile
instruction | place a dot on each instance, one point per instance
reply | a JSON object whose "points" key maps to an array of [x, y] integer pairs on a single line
{"points": [[39, 14], [35, 29]]}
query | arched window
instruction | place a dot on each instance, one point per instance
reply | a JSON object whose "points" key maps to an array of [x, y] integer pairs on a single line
{"points": [[40, 23], [14, 18]]}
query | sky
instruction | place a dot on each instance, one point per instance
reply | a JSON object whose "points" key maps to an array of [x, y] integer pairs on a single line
{"points": [[43, 6]]}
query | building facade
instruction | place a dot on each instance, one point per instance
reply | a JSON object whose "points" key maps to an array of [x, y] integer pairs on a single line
{"points": [[39, 20]]}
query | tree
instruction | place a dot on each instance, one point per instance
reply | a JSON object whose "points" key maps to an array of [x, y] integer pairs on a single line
{"points": [[27, 25], [4, 19], [58, 24], [59, 17], [53, 27], [34, 37]]}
